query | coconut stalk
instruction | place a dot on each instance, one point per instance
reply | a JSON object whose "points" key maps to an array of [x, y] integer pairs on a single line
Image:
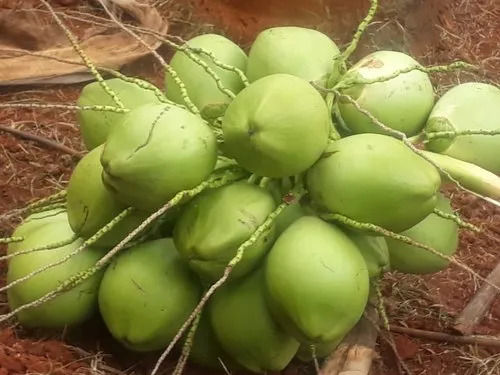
{"points": [[469, 175]]}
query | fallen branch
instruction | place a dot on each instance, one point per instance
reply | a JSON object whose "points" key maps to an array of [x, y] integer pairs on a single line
{"points": [[42, 140], [479, 305], [355, 354], [440, 336]]}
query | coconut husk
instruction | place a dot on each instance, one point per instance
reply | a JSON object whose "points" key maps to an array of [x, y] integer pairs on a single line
{"points": [[27, 30]]}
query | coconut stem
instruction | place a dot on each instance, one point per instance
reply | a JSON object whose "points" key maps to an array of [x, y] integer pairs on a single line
{"points": [[339, 64], [334, 134], [380, 304], [51, 246], [360, 80], [452, 133], [84, 57], [7, 240], [475, 178], [361, 29], [206, 68], [160, 59], [144, 85], [288, 199], [44, 201], [456, 219], [186, 348], [221, 65], [195, 50], [35, 205], [48, 207], [99, 108], [399, 237]]}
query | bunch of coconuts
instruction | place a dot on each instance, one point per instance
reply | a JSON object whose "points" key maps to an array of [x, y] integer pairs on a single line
{"points": [[303, 281]]}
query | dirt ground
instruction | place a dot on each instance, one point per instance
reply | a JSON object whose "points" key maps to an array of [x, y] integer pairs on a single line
{"points": [[433, 31]]}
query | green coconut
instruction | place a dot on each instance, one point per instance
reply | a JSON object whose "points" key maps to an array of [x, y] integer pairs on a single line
{"points": [[469, 106], [96, 125], [35, 221], [434, 231], [217, 222], [376, 179], [276, 127], [71, 307], [156, 152], [245, 328], [201, 87], [146, 294], [401, 103], [317, 281], [374, 251], [91, 206], [305, 53]]}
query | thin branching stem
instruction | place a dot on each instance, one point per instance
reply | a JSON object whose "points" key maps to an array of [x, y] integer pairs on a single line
{"points": [[71, 107], [52, 246], [407, 240], [349, 81], [7, 240], [458, 133], [457, 219], [84, 57], [188, 344], [167, 67], [360, 31]]}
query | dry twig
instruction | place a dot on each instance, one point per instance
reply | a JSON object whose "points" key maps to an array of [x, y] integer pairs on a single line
{"points": [[41, 140]]}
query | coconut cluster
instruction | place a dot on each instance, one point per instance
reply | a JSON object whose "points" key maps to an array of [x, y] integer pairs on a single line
{"points": [[302, 281]]}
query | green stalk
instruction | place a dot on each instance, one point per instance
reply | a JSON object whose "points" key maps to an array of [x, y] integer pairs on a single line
{"points": [[469, 175]]}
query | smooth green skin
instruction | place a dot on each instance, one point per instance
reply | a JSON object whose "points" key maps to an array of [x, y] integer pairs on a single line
{"points": [[434, 231], [305, 53], [71, 308], [96, 125], [374, 251], [245, 328], [317, 281], [217, 222], [276, 127], [201, 88], [402, 103], [374, 179], [150, 157], [469, 106], [33, 222], [146, 294], [91, 206]]}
